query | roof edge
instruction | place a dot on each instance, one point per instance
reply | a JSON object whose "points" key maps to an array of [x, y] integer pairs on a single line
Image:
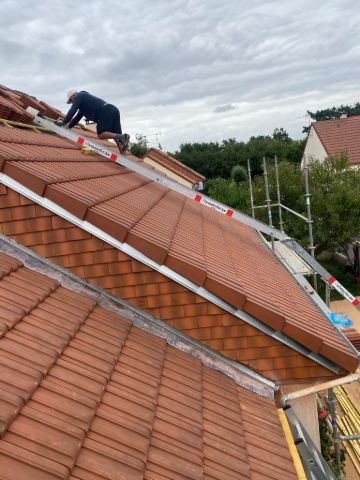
{"points": [[241, 374], [175, 160], [318, 134], [126, 248]]}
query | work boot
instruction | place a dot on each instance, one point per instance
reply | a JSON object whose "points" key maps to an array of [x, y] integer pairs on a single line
{"points": [[118, 141], [122, 141], [125, 141]]}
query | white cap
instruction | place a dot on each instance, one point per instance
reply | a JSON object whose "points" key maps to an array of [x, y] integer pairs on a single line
{"points": [[69, 94]]}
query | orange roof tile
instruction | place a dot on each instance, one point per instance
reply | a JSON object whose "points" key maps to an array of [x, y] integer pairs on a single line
{"points": [[86, 393], [172, 164], [100, 263], [340, 135], [353, 335], [227, 258]]}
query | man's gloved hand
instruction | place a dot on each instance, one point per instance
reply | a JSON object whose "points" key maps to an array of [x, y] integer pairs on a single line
{"points": [[59, 123]]}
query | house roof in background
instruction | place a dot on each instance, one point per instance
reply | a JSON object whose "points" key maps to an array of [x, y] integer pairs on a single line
{"points": [[340, 135], [85, 392], [172, 164], [225, 257]]}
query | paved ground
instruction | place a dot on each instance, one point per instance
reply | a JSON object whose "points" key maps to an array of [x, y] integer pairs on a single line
{"points": [[354, 388]]}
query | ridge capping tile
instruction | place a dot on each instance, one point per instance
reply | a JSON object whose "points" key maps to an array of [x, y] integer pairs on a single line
{"points": [[344, 359], [312, 341], [269, 317], [179, 265], [226, 292], [30, 180], [153, 250], [107, 224], [74, 205]]}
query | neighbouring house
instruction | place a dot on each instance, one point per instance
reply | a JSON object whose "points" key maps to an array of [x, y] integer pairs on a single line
{"points": [[174, 169], [334, 137], [191, 269]]}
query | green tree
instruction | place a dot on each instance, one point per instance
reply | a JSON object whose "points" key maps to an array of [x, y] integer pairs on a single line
{"points": [[239, 174], [228, 192], [140, 147], [333, 112], [335, 188], [335, 201], [217, 160]]}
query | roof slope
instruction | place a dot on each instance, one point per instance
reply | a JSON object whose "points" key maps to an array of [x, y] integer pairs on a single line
{"points": [[174, 165], [86, 394], [225, 257], [340, 135]]}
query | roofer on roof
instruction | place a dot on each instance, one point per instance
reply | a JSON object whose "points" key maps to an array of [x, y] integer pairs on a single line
{"points": [[105, 115]]}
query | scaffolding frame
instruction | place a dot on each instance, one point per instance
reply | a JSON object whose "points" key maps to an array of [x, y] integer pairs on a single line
{"points": [[268, 205]]}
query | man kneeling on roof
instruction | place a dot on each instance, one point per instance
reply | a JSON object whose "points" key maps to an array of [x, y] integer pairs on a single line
{"points": [[105, 115]]}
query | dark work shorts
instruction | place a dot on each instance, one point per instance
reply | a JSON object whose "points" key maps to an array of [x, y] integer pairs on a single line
{"points": [[109, 120]]}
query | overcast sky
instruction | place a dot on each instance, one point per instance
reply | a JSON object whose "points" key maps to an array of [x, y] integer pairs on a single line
{"points": [[194, 70]]}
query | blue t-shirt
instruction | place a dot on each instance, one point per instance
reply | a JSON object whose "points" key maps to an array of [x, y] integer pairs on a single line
{"points": [[87, 106]]}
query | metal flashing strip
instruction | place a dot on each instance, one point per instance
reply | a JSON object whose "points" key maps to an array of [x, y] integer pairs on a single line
{"points": [[203, 199], [124, 247], [241, 374]]}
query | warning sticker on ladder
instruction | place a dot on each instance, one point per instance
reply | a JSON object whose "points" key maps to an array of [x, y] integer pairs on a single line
{"points": [[334, 283], [97, 148], [215, 206]]}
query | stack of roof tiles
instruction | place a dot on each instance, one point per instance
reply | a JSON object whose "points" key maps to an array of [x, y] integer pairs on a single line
{"points": [[84, 394], [13, 106], [353, 335]]}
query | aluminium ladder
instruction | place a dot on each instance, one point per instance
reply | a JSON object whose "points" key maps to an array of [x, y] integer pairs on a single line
{"points": [[139, 168]]}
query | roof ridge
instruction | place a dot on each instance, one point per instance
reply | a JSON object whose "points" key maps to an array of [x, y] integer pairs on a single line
{"points": [[178, 162], [242, 375]]}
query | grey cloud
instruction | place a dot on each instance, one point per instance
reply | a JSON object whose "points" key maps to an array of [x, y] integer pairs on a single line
{"points": [[224, 108], [180, 63]]}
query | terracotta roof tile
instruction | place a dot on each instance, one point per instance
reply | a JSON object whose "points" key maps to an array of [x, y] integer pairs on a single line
{"points": [[47, 436], [22, 136], [214, 251], [103, 396], [174, 165], [22, 464], [168, 210], [353, 335], [117, 216], [340, 135]]}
